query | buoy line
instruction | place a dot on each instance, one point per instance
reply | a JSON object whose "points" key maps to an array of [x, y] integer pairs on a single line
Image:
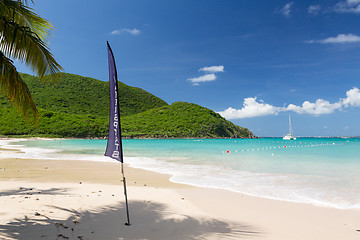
{"points": [[284, 147]]}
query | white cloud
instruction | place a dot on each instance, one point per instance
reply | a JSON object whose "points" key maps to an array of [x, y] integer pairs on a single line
{"points": [[253, 108], [319, 107], [205, 78], [213, 69], [353, 98], [339, 39], [115, 32], [313, 9], [348, 6], [286, 10], [133, 31]]}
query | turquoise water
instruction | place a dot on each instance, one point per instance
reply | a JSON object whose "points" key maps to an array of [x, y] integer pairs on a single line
{"points": [[320, 171]]}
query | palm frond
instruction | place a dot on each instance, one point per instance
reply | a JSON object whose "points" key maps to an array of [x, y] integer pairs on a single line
{"points": [[19, 13], [14, 88], [23, 36], [21, 43]]}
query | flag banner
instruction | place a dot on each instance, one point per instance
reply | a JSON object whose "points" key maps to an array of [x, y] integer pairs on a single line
{"points": [[114, 145]]}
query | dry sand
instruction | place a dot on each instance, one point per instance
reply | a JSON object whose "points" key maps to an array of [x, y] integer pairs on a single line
{"points": [[47, 199]]}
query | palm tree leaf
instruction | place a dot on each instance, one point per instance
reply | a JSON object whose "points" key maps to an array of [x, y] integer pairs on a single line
{"points": [[21, 43], [23, 36], [14, 88], [16, 11]]}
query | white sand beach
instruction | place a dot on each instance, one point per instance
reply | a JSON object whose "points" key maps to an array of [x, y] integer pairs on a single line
{"points": [[49, 199]]}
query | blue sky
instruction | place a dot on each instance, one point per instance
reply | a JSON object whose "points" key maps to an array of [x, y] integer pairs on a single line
{"points": [[254, 62]]}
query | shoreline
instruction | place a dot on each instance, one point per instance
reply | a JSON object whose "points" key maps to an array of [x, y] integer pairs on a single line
{"points": [[190, 138], [44, 199], [288, 196]]}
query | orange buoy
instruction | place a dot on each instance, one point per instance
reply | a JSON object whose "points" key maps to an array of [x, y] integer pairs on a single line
{"points": [[227, 151]]}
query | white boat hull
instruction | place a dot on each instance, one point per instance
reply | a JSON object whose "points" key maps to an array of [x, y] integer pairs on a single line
{"points": [[289, 138]]}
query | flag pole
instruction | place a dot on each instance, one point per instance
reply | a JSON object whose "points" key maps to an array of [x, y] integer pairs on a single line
{"points": [[114, 145], [125, 194], [122, 172], [122, 165]]}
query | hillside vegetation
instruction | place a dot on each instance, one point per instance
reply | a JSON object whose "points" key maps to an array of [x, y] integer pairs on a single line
{"points": [[79, 107], [181, 119], [75, 94]]}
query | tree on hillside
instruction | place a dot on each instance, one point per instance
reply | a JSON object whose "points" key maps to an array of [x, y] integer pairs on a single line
{"points": [[23, 37]]}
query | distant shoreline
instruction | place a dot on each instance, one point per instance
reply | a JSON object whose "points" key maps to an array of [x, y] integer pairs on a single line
{"points": [[127, 138]]}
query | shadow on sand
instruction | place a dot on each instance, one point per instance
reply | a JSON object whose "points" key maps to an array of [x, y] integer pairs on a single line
{"points": [[33, 191], [149, 221]]}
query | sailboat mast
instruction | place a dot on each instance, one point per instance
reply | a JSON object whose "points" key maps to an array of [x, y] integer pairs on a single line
{"points": [[290, 127]]}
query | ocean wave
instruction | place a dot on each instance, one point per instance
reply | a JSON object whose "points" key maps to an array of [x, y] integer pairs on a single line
{"points": [[292, 188], [322, 190]]}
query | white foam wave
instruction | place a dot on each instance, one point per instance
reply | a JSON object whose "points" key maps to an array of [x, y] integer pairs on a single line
{"points": [[292, 188], [24, 152], [271, 186]]}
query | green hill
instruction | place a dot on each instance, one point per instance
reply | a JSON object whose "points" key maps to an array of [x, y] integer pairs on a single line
{"points": [[78, 107], [181, 119], [75, 94]]}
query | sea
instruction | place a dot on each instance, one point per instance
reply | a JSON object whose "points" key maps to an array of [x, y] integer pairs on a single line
{"points": [[319, 171]]}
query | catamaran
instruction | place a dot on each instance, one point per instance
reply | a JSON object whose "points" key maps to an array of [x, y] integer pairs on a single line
{"points": [[290, 135]]}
